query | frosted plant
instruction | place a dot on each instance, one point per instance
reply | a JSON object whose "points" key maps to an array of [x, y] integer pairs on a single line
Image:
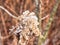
{"points": [[27, 26]]}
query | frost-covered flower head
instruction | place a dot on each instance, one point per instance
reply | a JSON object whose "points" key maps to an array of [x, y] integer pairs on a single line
{"points": [[27, 26], [28, 20]]}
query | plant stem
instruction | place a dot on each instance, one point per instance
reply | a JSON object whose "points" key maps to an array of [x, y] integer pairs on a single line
{"points": [[43, 38]]}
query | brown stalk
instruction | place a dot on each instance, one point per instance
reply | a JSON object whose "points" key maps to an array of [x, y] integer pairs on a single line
{"points": [[11, 9], [3, 21], [26, 4]]}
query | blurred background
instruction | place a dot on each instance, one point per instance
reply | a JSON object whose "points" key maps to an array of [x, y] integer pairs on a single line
{"points": [[17, 7]]}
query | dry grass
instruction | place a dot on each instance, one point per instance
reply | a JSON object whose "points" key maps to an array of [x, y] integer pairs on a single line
{"points": [[17, 7]]}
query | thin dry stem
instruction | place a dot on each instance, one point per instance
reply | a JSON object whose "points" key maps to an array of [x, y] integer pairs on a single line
{"points": [[1, 7], [3, 21]]}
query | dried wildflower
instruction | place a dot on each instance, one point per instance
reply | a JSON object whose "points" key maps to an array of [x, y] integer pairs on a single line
{"points": [[27, 26]]}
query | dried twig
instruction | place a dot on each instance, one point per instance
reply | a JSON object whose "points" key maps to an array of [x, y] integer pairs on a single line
{"points": [[1, 7], [3, 21], [44, 17], [13, 11]]}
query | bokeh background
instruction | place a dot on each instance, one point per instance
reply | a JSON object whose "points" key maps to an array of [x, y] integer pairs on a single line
{"points": [[16, 7]]}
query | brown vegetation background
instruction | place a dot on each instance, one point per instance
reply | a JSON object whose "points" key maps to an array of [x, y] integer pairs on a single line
{"points": [[16, 7]]}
